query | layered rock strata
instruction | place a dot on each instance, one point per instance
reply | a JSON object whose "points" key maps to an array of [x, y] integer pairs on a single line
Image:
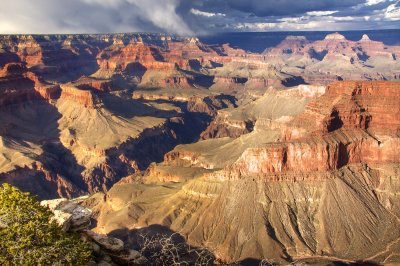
{"points": [[300, 195]]}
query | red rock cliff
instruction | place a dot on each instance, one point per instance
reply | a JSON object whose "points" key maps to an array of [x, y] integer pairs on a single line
{"points": [[353, 122]]}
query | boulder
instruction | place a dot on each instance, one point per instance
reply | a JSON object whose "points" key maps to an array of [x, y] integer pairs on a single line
{"points": [[68, 214], [53, 204], [80, 218], [63, 219], [111, 244]]}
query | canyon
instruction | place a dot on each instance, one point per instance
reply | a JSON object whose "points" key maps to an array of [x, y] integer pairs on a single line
{"points": [[291, 154]]}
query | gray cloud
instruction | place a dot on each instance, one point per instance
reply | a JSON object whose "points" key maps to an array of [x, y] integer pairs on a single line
{"points": [[189, 17], [266, 15], [82, 16], [289, 7]]}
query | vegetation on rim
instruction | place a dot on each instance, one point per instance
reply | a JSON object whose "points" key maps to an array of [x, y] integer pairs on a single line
{"points": [[29, 236]]}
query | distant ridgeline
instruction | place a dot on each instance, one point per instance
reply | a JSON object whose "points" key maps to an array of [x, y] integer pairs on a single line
{"points": [[257, 41]]}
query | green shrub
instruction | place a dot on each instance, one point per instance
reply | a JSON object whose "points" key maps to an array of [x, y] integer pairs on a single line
{"points": [[28, 236]]}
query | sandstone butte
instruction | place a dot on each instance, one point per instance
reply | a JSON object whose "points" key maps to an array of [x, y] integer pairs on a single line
{"points": [[276, 155]]}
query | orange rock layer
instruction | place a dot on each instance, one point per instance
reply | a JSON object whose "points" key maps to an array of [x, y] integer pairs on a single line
{"points": [[84, 97], [18, 85]]}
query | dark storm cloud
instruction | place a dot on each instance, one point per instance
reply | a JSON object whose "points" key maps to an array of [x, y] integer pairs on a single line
{"points": [[264, 15], [289, 7], [194, 16], [364, 10]]}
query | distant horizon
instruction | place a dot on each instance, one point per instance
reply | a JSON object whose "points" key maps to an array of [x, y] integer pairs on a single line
{"points": [[199, 35], [256, 42]]}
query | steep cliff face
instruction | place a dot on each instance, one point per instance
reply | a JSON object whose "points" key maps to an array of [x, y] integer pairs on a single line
{"points": [[377, 102], [291, 45], [43, 180], [222, 126], [272, 106], [96, 85], [18, 84], [189, 48], [86, 142], [15, 84], [365, 105], [316, 154], [85, 97]]}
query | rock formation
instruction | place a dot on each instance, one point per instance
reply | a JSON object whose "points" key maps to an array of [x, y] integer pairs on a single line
{"points": [[73, 217], [365, 38]]}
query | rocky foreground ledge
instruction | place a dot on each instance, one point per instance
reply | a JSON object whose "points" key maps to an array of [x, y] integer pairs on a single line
{"points": [[73, 217]]}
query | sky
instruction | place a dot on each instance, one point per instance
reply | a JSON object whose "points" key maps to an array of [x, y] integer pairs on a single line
{"points": [[195, 17]]}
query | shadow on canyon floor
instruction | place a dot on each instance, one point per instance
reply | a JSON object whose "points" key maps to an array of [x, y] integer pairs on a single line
{"points": [[64, 65], [152, 145], [36, 122], [294, 81], [161, 242], [162, 246], [129, 108]]}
